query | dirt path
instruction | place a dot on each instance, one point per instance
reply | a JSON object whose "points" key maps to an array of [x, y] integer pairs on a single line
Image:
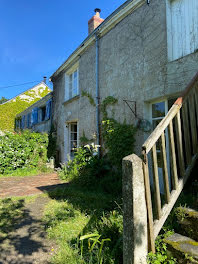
{"points": [[28, 243]]}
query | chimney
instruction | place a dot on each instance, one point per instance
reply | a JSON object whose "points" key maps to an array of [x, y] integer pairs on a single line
{"points": [[44, 79], [95, 21]]}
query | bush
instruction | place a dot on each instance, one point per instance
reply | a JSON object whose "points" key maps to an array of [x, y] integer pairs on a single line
{"points": [[119, 140], [22, 150], [73, 168]]}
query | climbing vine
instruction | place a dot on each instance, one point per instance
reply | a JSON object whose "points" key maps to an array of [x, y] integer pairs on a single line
{"points": [[10, 109], [119, 138], [109, 100], [91, 100]]}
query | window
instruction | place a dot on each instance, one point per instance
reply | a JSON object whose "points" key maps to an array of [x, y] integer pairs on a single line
{"points": [[43, 111], [71, 84], [182, 23], [73, 138]]}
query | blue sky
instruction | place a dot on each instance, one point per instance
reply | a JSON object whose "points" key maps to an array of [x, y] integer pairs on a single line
{"points": [[37, 36]]}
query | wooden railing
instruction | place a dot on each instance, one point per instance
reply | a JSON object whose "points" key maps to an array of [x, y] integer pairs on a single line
{"points": [[173, 144]]}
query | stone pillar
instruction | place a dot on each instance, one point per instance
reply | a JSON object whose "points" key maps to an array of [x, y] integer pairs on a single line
{"points": [[135, 240]]}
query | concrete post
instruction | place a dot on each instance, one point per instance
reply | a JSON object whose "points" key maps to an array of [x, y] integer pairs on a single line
{"points": [[135, 240]]}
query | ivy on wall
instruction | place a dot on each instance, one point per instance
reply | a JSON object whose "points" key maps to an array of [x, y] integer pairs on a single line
{"points": [[119, 138], [9, 110]]}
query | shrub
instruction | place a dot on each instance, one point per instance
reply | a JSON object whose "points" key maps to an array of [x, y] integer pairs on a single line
{"points": [[119, 140], [73, 168], [22, 150]]}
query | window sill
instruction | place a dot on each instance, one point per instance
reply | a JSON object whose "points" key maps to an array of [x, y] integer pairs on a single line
{"points": [[71, 99]]}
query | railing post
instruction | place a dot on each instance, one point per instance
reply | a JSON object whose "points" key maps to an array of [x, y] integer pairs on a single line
{"points": [[135, 238]]}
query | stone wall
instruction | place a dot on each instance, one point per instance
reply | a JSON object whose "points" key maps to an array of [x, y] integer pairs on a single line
{"points": [[133, 65]]}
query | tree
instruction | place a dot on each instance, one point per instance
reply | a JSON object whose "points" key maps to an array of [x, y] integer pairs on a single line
{"points": [[3, 100]]}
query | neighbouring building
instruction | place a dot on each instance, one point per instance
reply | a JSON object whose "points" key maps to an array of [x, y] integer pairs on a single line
{"points": [[37, 117], [144, 54], [19, 103]]}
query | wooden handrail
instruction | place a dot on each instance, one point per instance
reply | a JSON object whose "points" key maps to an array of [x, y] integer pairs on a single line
{"points": [[185, 121], [155, 135]]}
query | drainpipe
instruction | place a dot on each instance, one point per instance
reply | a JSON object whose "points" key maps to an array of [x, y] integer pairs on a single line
{"points": [[97, 94]]}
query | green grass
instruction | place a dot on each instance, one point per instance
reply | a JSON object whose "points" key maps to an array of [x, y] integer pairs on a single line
{"points": [[76, 211], [27, 172]]}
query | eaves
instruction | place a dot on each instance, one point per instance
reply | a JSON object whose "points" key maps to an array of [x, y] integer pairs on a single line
{"points": [[111, 21]]}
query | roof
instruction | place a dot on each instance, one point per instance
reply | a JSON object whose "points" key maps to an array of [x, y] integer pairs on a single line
{"points": [[119, 14], [39, 102], [26, 91]]}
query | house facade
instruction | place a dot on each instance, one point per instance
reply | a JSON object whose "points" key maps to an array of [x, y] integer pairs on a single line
{"points": [[144, 54], [37, 117]]}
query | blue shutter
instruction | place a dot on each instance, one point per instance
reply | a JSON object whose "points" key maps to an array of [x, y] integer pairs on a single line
{"points": [[29, 120], [34, 116]]}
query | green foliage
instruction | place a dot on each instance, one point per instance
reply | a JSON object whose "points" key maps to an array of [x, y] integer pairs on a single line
{"points": [[84, 140], [91, 100], [9, 110], [110, 100], [119, 140], [73, 168], [22, 150], [10, 213], [76, 212], [180, 213], [161, 251], [3, 100], [51, 150], [95, 247]]}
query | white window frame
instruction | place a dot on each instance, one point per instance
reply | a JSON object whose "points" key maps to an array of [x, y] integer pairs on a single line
{"points": [[69, 82], [69, 124], [165, 100]]}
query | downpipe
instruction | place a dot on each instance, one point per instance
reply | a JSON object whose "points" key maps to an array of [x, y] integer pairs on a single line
{"points": [[97, 95]]}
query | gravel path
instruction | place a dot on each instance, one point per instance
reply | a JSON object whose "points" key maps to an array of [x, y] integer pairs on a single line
{"points": [[28, 243]]}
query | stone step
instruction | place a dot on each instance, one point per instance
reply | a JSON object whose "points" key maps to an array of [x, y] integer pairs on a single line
{"points": [[188, 222], [183, 248]]}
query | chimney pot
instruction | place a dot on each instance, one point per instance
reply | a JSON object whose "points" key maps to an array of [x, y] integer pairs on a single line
{"points": [[44, 79], [95, 21]]}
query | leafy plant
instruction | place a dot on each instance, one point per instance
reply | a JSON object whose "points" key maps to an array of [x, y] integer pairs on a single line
{"points": [[22, 150], [161, 251], [119, 140], [95, 246]]}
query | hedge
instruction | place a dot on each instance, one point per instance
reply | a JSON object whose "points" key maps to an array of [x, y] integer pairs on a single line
{"points": [[22, 150]]}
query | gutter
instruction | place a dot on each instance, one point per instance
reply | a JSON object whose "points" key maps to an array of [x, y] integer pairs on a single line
{"points": [[110, 22]]}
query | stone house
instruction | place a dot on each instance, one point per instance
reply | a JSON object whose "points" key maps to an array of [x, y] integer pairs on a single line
{"points": [[144, 54], [37, 117]]}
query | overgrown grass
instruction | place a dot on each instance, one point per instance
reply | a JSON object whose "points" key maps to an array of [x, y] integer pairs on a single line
{"points": [[76, 211], [22, 172]]}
